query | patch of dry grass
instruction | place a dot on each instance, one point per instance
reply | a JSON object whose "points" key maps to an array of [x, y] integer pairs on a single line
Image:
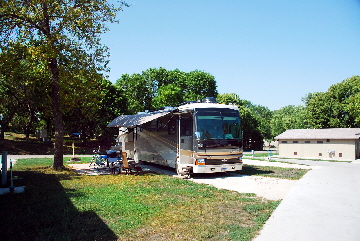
{"points": [[67, 206]]}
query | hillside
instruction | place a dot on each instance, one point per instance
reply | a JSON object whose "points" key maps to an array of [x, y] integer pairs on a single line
{"points": [[16, 144]]}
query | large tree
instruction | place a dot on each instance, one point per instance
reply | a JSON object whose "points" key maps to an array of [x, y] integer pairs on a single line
{"points": [[353, 108], [336, 108], [155, 88], [198, 85], [231, 98], [22, 85], [138, 91], [168, 95], [66, 33], [250, 126], [263, 116], [288, 117], [113, 103]]}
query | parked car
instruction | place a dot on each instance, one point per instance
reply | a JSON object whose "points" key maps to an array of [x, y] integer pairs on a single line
{"points": [[75, 135]]}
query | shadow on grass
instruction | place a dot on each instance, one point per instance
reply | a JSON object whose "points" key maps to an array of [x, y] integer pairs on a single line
{"points": [[253, 170], [45, 212], [246, 171]]}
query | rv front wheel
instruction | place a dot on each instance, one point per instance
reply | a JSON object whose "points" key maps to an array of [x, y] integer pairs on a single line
{"points": [[180, 171]]}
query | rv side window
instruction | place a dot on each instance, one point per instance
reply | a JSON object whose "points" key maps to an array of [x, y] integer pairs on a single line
{"points": [[172, 126], [131, 135], [186, 126]]}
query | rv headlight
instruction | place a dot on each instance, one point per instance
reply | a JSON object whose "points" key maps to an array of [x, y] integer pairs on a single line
{"points": [[200, 161], [200, 144]]}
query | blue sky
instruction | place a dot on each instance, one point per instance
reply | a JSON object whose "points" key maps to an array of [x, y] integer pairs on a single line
{"points": [[271, 53]]}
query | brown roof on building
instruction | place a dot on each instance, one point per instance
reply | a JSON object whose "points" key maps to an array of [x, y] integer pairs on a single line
{"points": [[331, 133]]}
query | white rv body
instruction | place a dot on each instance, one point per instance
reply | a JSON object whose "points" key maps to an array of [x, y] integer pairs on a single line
{"points": [[193, 138]]}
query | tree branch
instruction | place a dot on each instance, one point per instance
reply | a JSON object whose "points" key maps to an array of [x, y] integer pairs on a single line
{"points": [[23, 20]]}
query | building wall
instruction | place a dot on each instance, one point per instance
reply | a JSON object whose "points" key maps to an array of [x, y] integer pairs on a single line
{"points": [[319, 149]]}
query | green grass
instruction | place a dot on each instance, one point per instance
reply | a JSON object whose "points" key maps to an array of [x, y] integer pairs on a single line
{"points": [[329, 160], [67, 206], [277, 172], [302, 158], [260, 154]]}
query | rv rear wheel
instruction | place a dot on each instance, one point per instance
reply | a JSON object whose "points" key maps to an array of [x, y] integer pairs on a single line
{"points": [[184, 171]]}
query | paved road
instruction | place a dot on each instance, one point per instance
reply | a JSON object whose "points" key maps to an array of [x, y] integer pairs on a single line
{"points": [[323, 205]]}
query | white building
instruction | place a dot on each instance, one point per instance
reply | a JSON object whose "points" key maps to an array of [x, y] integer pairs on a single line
{"points": [[333, 143]]}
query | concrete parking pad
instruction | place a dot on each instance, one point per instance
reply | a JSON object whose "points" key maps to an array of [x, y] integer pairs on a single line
{"points": [[323, 205]]}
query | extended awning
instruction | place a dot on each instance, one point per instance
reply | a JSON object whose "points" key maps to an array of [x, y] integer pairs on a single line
{"points": [[135, 120]]}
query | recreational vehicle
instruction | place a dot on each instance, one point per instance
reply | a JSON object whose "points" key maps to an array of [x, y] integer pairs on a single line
{"points": [[196, 137]]}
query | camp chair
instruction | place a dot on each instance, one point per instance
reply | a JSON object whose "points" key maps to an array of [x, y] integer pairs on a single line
{"points": [[125, 166], [138, 169]]}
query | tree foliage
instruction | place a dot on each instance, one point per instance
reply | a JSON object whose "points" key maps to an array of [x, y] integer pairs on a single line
{"points": [[92, 122], [229, 98], [252, 136], [353, 108], [336, 108], [23, 83], [155, 88], [66, 37], [288, 117], [198, 85], [138, 91], [112, 104], [168, 95], [263, 116]]}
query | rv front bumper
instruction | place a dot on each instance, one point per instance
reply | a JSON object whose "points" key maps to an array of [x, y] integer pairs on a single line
{"points": [[217, 168]]}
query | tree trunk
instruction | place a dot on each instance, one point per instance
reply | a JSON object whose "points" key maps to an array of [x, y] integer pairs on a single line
{"points": [[58, 117]]}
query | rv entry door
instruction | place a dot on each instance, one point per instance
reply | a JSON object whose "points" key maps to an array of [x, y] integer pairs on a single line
{"points": [[186, 139]]}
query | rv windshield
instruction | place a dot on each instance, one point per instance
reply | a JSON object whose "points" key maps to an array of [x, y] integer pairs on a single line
{"points": [[217, 124]]}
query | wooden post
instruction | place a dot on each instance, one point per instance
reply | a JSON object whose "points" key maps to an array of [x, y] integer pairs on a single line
{"points": [[73, 147]]}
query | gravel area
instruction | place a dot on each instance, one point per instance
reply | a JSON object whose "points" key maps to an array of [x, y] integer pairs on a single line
{"points": [[265, 187]]}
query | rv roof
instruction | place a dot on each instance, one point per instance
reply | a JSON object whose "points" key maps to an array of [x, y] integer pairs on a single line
{"points": [[138, 119], [192, 106], [141, 118]]}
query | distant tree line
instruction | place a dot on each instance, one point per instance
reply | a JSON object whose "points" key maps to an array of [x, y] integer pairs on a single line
{"points": [[338, 107], [89, 108]]}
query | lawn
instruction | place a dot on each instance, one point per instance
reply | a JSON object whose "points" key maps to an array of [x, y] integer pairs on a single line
{"points": [[260, 154], [270, 171], [67, 206]]}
